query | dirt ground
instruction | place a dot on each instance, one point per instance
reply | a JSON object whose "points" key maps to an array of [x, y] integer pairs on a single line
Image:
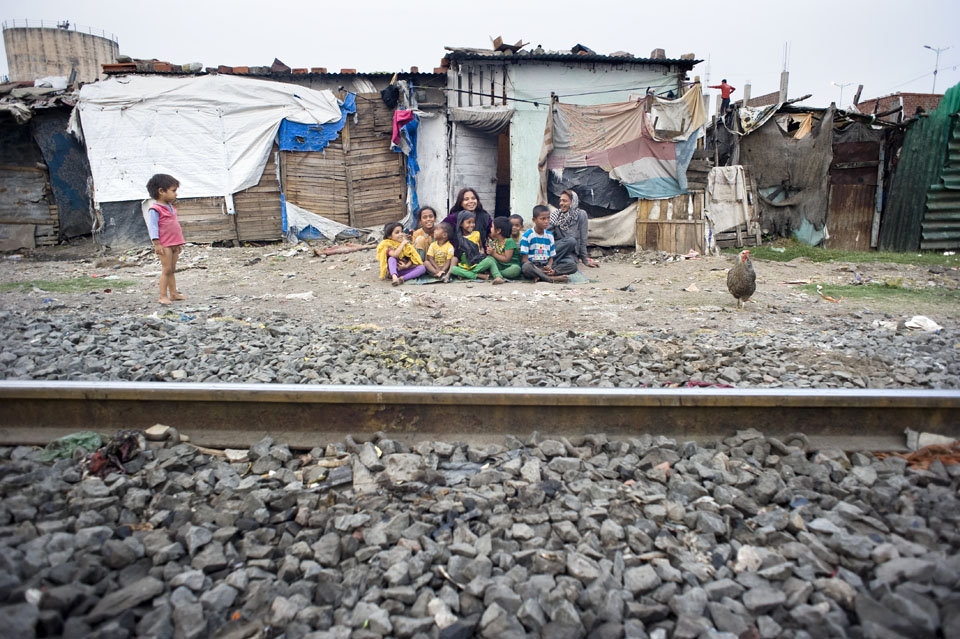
{"points": [[629, 292]]}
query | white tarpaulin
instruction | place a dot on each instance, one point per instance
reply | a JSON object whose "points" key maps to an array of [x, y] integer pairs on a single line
{"points": [[213, 133]]}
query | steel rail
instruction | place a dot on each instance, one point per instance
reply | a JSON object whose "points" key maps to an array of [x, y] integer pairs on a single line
{"points": [[238, 415]]}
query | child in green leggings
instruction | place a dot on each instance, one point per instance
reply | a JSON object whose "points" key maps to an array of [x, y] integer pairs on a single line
{"points": [[504, 249], [473, 264]]}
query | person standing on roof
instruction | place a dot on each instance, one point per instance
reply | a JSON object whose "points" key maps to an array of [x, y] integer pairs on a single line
{"points": [[725, 91]]}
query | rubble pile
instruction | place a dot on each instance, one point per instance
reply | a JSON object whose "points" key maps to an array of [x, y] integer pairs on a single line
{"points": [[646, 537], [181, 347]]}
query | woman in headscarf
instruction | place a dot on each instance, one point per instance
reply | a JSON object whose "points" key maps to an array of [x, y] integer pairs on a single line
{"points": [[569, 227], [468, 200]]}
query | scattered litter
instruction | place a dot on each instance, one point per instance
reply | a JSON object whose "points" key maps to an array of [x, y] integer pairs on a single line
{"points": [[889, 325], [922, 458], [692, 288], [300, 296], [827, 297], [46, 300], [923, 322], [778, 249], [64, 446], [123, 447], [251, 262], [949, 253], [692, 255], [917, 440], [796, 282]]}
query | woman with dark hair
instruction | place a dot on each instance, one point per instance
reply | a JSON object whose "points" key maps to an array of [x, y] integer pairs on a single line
{"points": [[569, 227], [468, 200]]}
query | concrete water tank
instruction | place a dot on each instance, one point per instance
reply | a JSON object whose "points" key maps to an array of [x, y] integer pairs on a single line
{"points": [[40, 48]]}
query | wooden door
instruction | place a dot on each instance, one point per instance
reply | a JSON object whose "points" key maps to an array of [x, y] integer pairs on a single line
{"points": [[474, 164], [853, 195]]}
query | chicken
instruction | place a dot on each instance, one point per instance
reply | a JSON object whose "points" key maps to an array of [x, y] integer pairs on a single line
{"points": [[742, 279]]}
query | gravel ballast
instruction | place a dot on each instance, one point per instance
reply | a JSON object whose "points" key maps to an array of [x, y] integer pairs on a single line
{"points": [[646, 537]]}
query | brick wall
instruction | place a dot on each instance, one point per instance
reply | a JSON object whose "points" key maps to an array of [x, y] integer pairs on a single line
{"points": [[911, 101], [762, 100]]}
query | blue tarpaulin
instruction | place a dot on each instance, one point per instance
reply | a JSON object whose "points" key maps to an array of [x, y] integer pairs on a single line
{"points": [[294, 136]]}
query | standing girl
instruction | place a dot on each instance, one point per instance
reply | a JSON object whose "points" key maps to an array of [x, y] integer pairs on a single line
{"points": [[165, 232], [397, 256]]}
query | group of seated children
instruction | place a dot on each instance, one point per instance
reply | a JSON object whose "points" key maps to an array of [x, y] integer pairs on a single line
{"points": [[444, 251]]}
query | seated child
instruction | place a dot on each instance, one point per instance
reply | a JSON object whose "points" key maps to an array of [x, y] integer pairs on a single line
{"points": [[440, 258], [504, 250], [472, 263], [537, 249], [397, 256], [517, 222], [424, 235]]}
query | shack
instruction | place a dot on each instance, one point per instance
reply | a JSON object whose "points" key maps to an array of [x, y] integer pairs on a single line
{"points": [[818, 173], [498, 103], [44, 175]]}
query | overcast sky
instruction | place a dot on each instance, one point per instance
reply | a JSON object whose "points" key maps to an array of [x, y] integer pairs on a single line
{"points": [[878, 44]]}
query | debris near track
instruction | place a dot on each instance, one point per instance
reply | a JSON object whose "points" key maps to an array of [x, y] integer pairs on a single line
{"points": [[648, 537]]}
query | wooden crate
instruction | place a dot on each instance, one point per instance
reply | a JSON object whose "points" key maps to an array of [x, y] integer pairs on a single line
{"points": [[673, 225]]}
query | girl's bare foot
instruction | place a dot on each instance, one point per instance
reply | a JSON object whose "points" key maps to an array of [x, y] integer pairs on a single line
{"points": [[483, 276], [178, 296], [396, 281], [165, 301], [560, 279], [499, 280]]}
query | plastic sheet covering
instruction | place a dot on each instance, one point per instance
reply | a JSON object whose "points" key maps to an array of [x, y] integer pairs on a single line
{"points": [[213, 133], [678, 119], [295, 136], [599, 194], [123, 225], [794, 168], [301, 221], [490, 120], [752, 118], [727, 198], [617, 138], [619, 229], [69, 171]]}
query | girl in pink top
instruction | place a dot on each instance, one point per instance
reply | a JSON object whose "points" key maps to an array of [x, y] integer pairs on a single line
{"points": [[165, 233]]}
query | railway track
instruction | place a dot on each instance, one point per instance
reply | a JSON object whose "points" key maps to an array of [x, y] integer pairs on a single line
{"points": [[238, 415]]}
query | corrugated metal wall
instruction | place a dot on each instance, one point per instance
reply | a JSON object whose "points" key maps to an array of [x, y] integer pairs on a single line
{"points": [[922, 160], [941, 221]]}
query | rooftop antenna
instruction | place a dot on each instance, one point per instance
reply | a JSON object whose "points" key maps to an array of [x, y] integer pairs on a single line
{"points": [[786, 56], [936, 65]]}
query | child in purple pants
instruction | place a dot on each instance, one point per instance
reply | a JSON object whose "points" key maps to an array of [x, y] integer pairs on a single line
{"points": [[397, 256]]}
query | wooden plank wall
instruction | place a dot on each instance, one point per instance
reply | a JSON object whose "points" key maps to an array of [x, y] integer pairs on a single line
{"points": [[204, 220], [258, 208], [357, 180], [673, 225]]}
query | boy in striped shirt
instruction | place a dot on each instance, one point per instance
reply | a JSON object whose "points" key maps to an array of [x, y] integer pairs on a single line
{"points": [[537, 249]]}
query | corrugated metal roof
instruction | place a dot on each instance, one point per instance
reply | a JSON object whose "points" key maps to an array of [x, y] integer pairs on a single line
{"points": [[941, 219], [567, 57], [921, 164]]}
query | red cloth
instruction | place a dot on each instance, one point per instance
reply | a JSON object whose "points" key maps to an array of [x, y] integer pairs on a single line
{"points": [[170, 233], [399, 119], [725, 90]]}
